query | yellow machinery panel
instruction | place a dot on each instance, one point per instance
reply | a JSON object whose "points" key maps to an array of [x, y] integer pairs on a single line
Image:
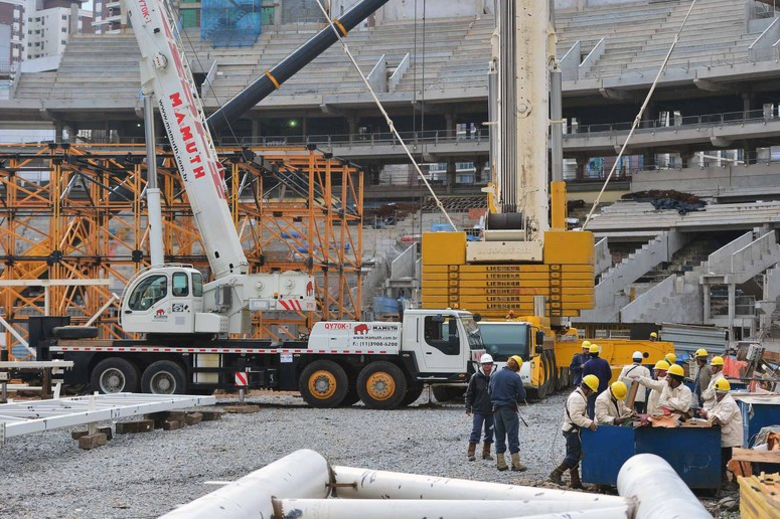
{"points": [[617, 352], [568, 247], [444, 248]]}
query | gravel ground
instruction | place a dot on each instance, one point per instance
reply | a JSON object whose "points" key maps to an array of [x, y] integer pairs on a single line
{"points": [[146, 475]]}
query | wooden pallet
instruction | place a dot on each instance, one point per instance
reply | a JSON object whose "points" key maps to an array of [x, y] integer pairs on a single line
{"points": [[759, 496]]}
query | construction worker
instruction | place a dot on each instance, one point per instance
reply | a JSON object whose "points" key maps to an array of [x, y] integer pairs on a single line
{"points": [[708, 395], [653, 337], [510, 315], [633, 372], [656, 386], [478, 404], [578, 362], [576, 418], [670, 358], [506, 392], [610, 409], [676, 396], [599, 367], [726, 414], [703, 375]]}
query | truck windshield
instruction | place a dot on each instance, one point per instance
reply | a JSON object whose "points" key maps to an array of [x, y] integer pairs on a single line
{"points": [[473, 333], [504, 340]]}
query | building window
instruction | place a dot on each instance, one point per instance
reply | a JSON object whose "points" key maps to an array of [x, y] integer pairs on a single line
{"points": [[64, 42], [64, 29], [64, 16], [38, 19]]}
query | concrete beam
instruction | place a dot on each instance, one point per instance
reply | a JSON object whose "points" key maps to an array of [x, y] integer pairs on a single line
{"points": [[619, 95], [711, 86]]}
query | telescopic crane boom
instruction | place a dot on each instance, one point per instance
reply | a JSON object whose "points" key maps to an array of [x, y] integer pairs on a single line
{"points": [[172, 299]]}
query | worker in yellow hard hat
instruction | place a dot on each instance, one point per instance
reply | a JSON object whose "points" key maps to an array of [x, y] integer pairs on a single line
{"points": [[506, 392], [578, 362], [610, 409], [676, 396], [653, 337], [725, 413], [599, 367], [703, 376], [708, 395], [656, 386], [576, 418], [671, 358]]}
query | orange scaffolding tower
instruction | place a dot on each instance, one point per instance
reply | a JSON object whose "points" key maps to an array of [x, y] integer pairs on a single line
{"points": [[75, 214]]}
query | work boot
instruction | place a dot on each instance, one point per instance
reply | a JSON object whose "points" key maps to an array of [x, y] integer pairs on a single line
{"points": [[472, 451], [501, 463], [556, 475], [516, 465], [576, 483], [486, 451]]}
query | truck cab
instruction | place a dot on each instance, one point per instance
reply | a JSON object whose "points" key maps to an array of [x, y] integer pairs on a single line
{"points": [[504, 339]]}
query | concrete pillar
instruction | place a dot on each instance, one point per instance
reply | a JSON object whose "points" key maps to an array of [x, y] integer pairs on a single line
{"points": [[73, 25], [747, 101], [256, 132], [582, 161], [732, 309], [59, 129], [685, 158], [450, 175], [707, 304], [278, 13], [449, 123], [479, 164]]}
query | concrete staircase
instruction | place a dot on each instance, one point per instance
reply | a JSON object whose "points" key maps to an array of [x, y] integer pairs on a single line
{"points": [[612, 292]]}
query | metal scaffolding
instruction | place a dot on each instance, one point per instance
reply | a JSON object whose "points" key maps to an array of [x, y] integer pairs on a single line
{"points": [[79, 213]]}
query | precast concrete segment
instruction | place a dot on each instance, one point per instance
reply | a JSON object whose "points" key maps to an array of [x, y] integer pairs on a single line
{"points": [[304, 473], [583, 514], [658, 490], [378, 484], [440, 509]]}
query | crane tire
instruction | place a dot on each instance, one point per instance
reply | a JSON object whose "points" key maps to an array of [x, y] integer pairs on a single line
{"points": [[323, 384], [381, 385], [114, 375]]}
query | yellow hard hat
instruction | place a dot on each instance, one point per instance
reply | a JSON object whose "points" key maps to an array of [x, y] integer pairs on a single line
{"points": [[662, 365], [676, 369], [717, 360], [654, 335], [586, 344], [619, 389], [671, 358], [701, 352], [722, 385], [518, 359], [592, 381], [594, 348]]}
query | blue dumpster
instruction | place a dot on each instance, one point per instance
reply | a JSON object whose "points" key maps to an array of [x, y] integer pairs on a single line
{"points": [[604, 452], [757, 411], [693, 452]]}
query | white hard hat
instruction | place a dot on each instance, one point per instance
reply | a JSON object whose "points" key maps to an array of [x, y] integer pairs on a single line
{"points": [[486, 359], [637, 355]]}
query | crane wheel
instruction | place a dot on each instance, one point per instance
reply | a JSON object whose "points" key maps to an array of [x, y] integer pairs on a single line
{"points": [[381, 385], [114, 375], [324, 384], [164, 377]]}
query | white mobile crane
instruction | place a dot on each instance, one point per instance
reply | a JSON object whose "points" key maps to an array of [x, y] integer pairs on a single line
{"points": [[186, 349]]}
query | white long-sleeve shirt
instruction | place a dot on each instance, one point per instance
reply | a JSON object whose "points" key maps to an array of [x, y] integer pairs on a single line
{"points": [[677, 399], [656, 386], [609, 408], [632, 372], [726, 413], [576, 412], [708, 395]]}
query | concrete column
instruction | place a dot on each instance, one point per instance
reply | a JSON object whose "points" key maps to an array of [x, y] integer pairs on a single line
{"points": [[449, 123], [582, 161], [278, 13], [479, 164], [686, 157], [73, 25], [732, 309], [747, 101], [706, 304], [450, 175], [352, 124], [256, 132]]}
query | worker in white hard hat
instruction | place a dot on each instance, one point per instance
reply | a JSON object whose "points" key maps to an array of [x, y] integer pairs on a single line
{"points": [[610, 409], [578, 362], [708, 395], [633, 372], [576, 418], [703, 376], [725, 413], [479, 407], [656, 386], [676, 396]]}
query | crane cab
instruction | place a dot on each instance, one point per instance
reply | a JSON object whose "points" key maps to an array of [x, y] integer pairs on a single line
{"points": [[163, 300]]}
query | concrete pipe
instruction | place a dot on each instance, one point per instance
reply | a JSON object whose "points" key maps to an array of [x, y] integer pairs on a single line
{"points": [[440, 509], [303, 473], [377, 484], [657, 489]]}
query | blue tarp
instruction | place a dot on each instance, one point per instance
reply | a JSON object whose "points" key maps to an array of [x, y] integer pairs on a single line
{"points": [[230, 23]]}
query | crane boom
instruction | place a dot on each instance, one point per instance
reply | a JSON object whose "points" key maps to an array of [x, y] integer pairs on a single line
{"points": [[166, 72]]}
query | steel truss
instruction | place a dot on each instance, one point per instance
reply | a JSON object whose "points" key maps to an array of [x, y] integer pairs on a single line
{"points": [[79, 213]]}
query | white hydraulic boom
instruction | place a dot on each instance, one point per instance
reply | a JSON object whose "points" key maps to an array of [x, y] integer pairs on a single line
{"points": [[172, 299]]}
